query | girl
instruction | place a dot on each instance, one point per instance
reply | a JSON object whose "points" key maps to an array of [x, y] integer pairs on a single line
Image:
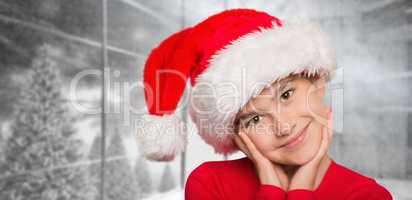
{"points": [[285, 132], [257, 86]]}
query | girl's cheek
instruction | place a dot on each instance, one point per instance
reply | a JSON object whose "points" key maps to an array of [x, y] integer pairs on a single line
{"points": [[264, 141], [297, 105], [315, 106]]}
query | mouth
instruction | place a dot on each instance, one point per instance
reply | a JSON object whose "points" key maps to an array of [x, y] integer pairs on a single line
{"points": [[298, 139]]}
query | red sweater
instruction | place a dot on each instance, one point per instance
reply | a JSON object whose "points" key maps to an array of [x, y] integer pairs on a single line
{"points": [[236, 180]]}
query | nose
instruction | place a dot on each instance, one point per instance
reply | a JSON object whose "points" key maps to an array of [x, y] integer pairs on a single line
{"points": [[284, 129]]}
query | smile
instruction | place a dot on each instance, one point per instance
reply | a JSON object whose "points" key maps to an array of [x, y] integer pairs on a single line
{"points": [[298, 139]]}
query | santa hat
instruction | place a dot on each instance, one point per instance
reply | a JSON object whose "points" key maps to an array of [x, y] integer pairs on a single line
{"points": [[228, 58]]}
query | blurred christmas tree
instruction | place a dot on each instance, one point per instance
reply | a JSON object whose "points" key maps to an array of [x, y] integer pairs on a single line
{"points": [[120, 184], [42, 157], [95, 167], [167, 182], [143, 176]]}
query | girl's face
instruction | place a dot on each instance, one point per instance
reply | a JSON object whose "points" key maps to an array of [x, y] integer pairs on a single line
{"points": [[284, 121]]}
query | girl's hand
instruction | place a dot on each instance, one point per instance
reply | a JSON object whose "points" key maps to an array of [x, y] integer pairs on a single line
{"points": [[268, 172], [305, 176]]}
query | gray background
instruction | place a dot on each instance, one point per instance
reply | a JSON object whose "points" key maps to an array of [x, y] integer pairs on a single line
{"points": [[370, 96]]}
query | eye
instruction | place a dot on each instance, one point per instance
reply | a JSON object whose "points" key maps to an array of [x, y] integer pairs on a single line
{"points": [[254, 120], [286, 95]]}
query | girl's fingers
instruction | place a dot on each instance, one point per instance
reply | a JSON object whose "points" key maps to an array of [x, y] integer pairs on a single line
{"points": [[329, 129], [324, 120], [242, 145], [267, 171], [281, 174], [330, 125], [324, 143], [327, 134], [249, 144]]}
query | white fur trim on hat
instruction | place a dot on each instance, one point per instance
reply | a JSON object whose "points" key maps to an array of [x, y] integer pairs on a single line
{"points": [[241, 69], [161, 138]]}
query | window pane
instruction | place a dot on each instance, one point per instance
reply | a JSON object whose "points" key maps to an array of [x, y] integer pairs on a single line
{"points": [[50, 100], [135, 27]]}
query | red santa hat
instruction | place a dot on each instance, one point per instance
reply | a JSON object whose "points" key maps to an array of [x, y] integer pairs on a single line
{"points": [[228, 58]]}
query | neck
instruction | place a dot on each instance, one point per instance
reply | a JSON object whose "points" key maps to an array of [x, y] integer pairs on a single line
{"points": [[290, 170]]}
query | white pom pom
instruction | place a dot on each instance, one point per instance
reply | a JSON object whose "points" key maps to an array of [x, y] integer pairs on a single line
{"points": [[161, 138]]}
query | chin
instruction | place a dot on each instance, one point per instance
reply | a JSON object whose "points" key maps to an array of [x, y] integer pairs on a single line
{"points": [[299, 157], [306, 152]]}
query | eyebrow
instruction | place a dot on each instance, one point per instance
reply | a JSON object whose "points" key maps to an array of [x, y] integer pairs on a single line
{"points": [[243, 116], [283, 85]]}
